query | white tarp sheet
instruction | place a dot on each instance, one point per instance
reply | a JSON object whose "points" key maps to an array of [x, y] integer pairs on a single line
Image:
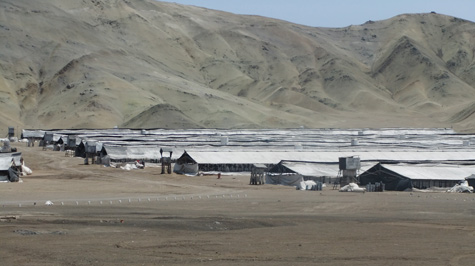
{"points": [[432, 172], [318, 169]]}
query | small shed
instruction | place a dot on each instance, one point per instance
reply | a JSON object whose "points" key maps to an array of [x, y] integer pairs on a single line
{"points": [[471, 180], [72, 142], [186, 165], [92, 149], [48, 138], [293, 172], [232, 161], [122, 153], [391, 180]]}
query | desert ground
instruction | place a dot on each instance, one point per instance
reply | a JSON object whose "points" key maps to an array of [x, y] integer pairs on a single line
{"points": [[108, 216]]}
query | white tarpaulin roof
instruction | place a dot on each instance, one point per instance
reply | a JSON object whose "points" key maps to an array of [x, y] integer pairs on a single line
{"points": [[133, 152], [317, 169], [98, 145], [323, 157], [6, 160], [56, 137], [32, 133], [5, 163], [283, 139], [17, 158], [432, 172]]}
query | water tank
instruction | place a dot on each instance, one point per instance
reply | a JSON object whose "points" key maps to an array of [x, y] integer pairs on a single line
{"points": [[144, 132], [349, 163]]}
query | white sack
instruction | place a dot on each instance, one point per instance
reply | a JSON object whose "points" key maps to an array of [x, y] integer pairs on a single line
{"points": [[463, 187], [352, 187], [128, 167]]}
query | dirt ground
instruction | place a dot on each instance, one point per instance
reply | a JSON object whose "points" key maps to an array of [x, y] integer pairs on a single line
{"points": [[105, 216]]}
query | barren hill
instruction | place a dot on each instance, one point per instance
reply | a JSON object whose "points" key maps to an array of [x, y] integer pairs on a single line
{"points": [[148, 64]]}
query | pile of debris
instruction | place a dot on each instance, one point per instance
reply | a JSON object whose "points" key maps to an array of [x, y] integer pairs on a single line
{"points": [[463, 187], [352, 187]]}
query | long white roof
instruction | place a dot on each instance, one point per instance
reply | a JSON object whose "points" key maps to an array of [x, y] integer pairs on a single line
{"points": [[324, 157], [318, 169], [433, 172], [419, 172], [133, 152], [282, 139], [33, 133]]}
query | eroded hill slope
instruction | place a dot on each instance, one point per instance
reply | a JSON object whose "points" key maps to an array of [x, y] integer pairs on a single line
{"points": [[101, 63]]}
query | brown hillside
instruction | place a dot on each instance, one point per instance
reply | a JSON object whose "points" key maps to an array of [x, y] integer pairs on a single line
{"points": [[101, 63]]}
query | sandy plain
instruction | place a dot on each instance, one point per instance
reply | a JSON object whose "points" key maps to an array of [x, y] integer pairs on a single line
{"points": [[182, 220]]}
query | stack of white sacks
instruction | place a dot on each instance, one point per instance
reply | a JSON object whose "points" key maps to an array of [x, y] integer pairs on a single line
{"points": [[352, 187], [461, 188]]}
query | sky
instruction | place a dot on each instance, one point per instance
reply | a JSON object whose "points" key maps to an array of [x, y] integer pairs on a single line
{"points": [[337, 13]]}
